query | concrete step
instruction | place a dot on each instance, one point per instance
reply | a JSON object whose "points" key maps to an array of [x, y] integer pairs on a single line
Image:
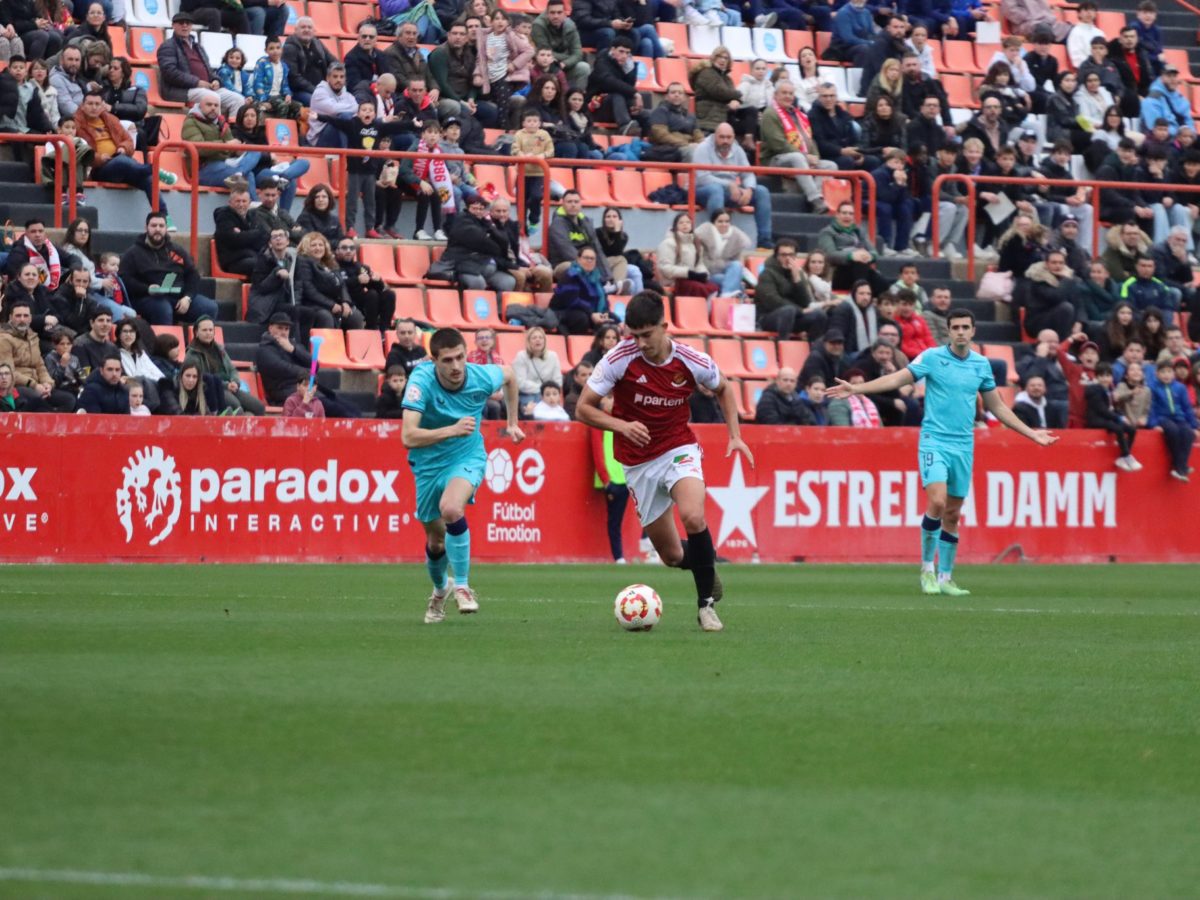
{"points": [[20, 213]]}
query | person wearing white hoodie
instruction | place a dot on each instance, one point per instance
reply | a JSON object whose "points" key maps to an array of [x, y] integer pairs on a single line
{"points": [[1030, 405]]}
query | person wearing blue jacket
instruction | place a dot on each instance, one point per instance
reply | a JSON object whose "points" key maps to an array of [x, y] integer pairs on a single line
{"points": [[579, 298], [1171, 413], [853, 33], [1166, 101], [893, 202]]}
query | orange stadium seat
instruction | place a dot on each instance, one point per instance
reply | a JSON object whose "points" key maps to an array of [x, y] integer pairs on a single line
{"points": [[445, 308], [558, 344], [480, 309], [795, 40], [217, 271], [696, 343], [175, 330], [143, 45], [488, 174], [824, 38], [577, 346], [364, 346], [793, 354], [1003, 352], [727, 354], [627, 187], [691, 314], [381, 259], [760, 359], [984, 54], [413, 262], [959, 91], [593, 187], [960, 57], [509, 344], [677, 32], [328, 20], [154, 95], [751, 391], [646, 81], [410, 304], [670, 69], [332, 354]]}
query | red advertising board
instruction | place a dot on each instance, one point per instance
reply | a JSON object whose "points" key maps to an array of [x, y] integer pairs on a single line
{"points": [[98, 488]]}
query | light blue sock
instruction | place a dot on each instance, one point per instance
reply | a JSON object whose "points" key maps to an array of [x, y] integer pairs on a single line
{"points": [[947, 550], [458, 549], [930, 529], [436, 566]]}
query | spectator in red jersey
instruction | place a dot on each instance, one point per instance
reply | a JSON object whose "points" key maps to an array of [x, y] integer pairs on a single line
{"points": [[915, 337], [1080, 371]]}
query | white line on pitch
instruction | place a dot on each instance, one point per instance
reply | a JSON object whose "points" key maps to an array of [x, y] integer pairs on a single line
{"points": [[278, 886]]}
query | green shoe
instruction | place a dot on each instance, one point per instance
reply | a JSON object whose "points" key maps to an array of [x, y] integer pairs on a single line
{"points": [[167, 178], [929, 583], [950, 589], [171, 227]]}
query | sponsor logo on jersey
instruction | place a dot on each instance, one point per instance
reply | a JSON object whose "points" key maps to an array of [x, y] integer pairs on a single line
{"points": [[652, 400], [641, 379], [679, 381]]}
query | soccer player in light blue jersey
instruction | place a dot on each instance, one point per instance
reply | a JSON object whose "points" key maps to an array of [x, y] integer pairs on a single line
{"points": [[953, 375], [443, 406]]}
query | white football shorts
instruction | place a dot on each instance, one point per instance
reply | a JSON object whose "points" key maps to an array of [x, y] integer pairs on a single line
{"points": [[650, 482]]}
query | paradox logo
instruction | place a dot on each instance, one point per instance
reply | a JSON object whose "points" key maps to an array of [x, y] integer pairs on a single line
{"points": [[149, 471], [17, 484]]}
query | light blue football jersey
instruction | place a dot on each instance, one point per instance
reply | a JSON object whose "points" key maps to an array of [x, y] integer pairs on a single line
{"points": [[951, 384], [440, 407]]}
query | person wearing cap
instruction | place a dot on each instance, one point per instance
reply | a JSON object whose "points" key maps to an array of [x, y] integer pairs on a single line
{"points": [[1078, 356], [281, 362], [184, 71], [826, 360], [1079, 41], [1165, 100]]}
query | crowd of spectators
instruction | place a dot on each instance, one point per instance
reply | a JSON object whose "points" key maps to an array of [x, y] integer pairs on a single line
{"points": [[1118, 114]]}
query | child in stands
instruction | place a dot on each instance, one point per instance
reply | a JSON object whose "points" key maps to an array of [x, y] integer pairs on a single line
{"points": [[304, 403], [429, 178]]}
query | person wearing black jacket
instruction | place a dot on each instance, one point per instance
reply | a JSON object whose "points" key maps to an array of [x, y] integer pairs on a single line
{"points": [[827, 360], [319, 288], [271, 281], [307, 60], [917, 87], [366, 290], [989, 126], [280, 362], [27, 287], [621, 102], [238, 235], [476, 249], [601, 22], [128, 101], [103, 391], [22, 15], [362, 132], [1062, 114], [364, 62], [1099, 413], [72, 304], [888, 44], [779, 404], [1043, 67], [834, 132], [390, 402], [408, 349], [1128, 204], [926, 129], [161, 278], [1125, 53]]}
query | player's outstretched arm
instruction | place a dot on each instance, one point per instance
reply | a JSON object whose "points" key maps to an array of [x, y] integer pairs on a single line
{"points": [[413, 435], [588, 412], [1008, 418], [512, 403], [729, 408], [898, 379]]}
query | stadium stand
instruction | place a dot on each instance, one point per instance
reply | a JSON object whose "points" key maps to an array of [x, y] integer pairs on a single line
{"points": [[415, 272]]}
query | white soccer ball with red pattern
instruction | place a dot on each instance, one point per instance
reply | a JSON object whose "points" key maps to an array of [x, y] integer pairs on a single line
{"points": [[638, 607]]}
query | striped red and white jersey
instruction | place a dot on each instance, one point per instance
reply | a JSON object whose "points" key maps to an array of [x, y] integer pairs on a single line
{"points": [[654, 394]]}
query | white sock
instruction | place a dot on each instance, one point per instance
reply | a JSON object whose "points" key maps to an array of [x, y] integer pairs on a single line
{"points": [[943, 576], [927, 567]]}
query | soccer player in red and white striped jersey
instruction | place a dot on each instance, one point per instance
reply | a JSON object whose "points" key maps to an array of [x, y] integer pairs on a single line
{"points": [[651, 378]]}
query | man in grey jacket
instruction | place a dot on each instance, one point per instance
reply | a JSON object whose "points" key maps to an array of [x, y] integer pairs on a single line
{"points": [[734, 187], [68, 80]]}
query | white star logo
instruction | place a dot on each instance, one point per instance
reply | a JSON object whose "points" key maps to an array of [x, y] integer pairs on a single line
{"points": [[737, 502]]}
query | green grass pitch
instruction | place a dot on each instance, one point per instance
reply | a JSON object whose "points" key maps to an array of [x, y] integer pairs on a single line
{"points": [[296, 730]]}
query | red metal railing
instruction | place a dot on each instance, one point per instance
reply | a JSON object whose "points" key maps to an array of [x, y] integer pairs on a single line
{"points": [[65, 144], [971, 181], [193, 153], [861, 182]]}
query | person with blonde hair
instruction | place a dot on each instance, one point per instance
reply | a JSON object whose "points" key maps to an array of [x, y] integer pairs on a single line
{"points": [[534, 366], [319, 289]]}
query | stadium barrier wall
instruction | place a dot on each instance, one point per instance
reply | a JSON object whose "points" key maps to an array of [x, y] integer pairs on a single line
{"points": [[64, 154], [113, 489]]}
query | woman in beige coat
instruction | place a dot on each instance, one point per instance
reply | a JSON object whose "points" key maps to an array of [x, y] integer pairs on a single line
{"points": [[724, 245], [683, 262]]}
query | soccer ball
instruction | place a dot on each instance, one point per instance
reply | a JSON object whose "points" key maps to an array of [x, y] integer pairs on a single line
{"points": [[638, 607], [499, 471]]}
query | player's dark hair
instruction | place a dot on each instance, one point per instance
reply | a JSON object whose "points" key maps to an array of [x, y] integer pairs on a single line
{"points": [[960, 313], [445, 339], [644, 310]]}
